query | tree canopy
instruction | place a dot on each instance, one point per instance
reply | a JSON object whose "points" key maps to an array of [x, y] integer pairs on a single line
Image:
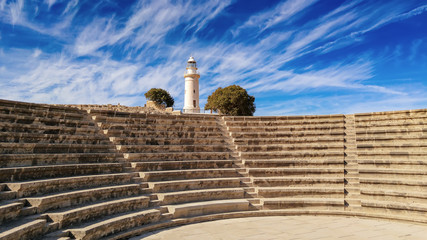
{"points": [[232, 100], [160, 96]]}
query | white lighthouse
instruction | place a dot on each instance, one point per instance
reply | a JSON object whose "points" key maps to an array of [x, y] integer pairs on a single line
{"points": [[191, 99]]}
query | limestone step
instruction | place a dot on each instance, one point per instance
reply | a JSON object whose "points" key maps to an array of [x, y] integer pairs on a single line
{"points": [[176, 156], [162, 134], [394, 196], [20, 160], [410, 131], [43, 113], [400, 139], [40, 148], [288, 134], [7, 195], [298, 182], [77, 197], [384, 147], [10, 211], [284, 118], [296, 172], [294, 154], [93, 211], [272, 123], [208, 207], [386, 119], [305, 203], [125, 129], [300, 192], [20, 137], [159, 124], [48, 121], [392, 173], [111, 121], [166, 141], [397, 163], [31, 229], [391, 208], [110, 113], [294, 140], [38, 187], [398, 153], [193, 184], [200, 195], [297, 128], [17, 105], [168, 175], [290, 147], [44, 129], [409, 185], [171, 148], [53, 171], [112, 225], [294, 163], [176, 165], [393, 122]]}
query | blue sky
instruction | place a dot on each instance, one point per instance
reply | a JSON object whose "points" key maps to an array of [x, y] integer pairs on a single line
{"points": [[295, 56]]}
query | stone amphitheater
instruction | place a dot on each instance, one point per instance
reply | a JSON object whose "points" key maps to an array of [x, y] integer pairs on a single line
{"points": [[90, 173]]}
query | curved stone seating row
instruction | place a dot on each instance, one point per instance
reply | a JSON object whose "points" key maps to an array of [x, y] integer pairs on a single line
{"points": [[392, 153]]}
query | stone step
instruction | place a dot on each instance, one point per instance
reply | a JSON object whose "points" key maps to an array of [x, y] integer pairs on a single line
{"points": [[294, 154], [7, 195], [10, 211], [193, 184], [400, 154], [40, 148], [31, 229], [417, 211], [296, 172], [163, 134], [150, 120], [44, 129], [295, 163], [410, 131], [286, 134], [290, 147], [283, 122], [395, 163], [44, 113], [301, 192], [305, 203], [22, 137], [120, 114], [21, 160], [125, 129], [171, 148], [292, 140], [394, 196], [393, 123], [48, 121], [38, 187], [112, 225], [53, 171], [284, 118], [398, 139], [366, 117], [409, 185], [90, 212], [176, 165], [392, 173], [168, 175], [208, 207], [385, 146], [77, 197], [298, 182], [166, 141], [200, 195], [176, 156], [297, 128], [44, 107]]}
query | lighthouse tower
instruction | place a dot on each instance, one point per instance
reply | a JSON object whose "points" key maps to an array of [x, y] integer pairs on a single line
{"points": [[191, 99]]}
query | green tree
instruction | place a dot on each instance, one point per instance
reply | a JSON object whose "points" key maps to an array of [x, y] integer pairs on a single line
{"points": [[160, 96], [232, 100]]}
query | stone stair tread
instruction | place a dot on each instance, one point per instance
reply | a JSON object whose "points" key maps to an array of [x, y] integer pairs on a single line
{"points": [[395, 205], [200, 195], [104, 227], [208, 207], [27, 228], [104, 208], [393, 193], [53, 201], [407, 182], [391, 171]]}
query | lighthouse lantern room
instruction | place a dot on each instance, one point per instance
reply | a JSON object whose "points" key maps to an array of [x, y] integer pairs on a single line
{"points": [[191, 76]]}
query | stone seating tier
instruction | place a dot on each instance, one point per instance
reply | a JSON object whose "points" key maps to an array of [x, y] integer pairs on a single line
{"points": [[74, 174]]}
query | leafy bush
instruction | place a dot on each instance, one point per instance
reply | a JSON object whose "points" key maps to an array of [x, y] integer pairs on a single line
{"points": [[232, 100], [160, 96]]}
